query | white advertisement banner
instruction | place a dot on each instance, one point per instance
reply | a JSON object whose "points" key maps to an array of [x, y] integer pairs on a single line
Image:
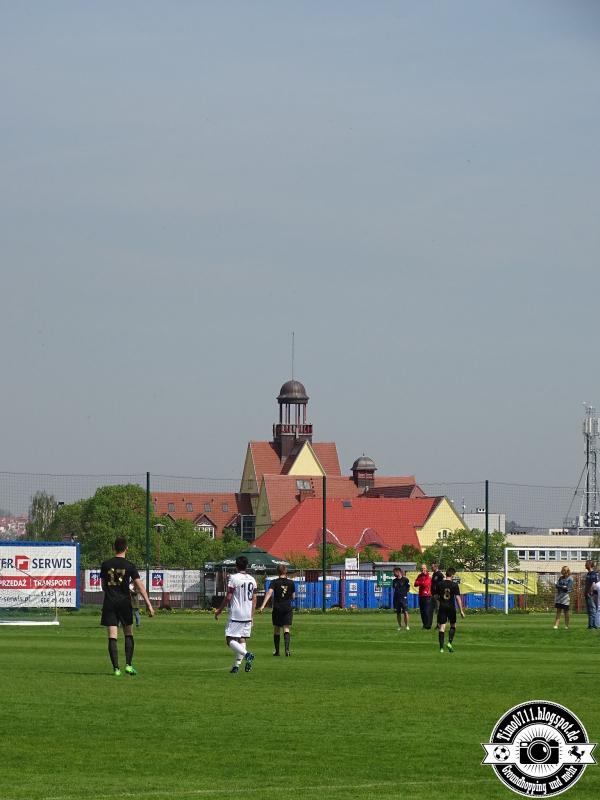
{"points": [[161, 580], [39, 575]]}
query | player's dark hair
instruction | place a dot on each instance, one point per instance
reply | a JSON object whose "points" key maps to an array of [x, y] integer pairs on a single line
{"points": [[281, 570], [120, 544], [241, 562], [450, 572]]}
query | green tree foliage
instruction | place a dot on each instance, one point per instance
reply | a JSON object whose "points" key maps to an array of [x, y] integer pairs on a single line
{"points": [[333, 555], [406, 553], [465, 549], [121, 511], [66, 523], [370, 553], [41, 513]]}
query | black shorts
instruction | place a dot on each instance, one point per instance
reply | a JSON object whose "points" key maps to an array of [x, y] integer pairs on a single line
{"points": [[401, 605], [113, 613], [446, 615], [282, 617], [564, 606]]}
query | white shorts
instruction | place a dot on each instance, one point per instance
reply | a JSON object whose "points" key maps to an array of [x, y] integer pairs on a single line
{"points": [[238, 630]]}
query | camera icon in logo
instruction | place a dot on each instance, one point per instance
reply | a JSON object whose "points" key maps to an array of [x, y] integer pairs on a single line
{"points": [[539, 751]]}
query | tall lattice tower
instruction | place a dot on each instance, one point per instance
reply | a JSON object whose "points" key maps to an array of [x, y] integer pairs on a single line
{"points": [[590, 499]]}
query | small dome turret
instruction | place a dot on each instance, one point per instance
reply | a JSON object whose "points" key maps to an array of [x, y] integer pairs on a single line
{"points": [[292, 392], [364, 464]]}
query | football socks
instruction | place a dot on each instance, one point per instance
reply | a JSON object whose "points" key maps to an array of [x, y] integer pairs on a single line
{"points": [[128, 649], [113, 653]]}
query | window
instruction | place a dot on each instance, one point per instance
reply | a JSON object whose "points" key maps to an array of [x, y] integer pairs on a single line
{"points": [[573, 555], [564, 555], [225, 507], [522, 554], [207, 507], [531, 556], [189, 507], [542, 555], [171, 507], [206, 528], [552, 555], [300, 484]]}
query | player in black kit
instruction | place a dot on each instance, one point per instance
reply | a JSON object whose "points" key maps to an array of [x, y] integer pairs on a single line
{"points": [[282, 591], [116, 574], [447, 590]]}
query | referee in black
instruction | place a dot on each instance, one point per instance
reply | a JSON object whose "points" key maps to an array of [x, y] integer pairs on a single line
{"points": [[282, 591]]}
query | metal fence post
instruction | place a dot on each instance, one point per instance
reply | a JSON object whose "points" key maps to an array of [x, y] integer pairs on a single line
{"points": [[487, 545], [147, 531], [324, 559]]}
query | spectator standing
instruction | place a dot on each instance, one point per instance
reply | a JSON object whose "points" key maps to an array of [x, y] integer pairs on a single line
{"points": [[590, 579], [423, 584], [562, 601]]}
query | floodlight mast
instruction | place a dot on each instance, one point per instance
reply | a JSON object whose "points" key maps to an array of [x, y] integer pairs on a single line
{"points": [[591, 433]]}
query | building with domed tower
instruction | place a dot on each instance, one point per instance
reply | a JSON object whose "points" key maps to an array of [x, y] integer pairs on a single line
{"points": [[282, 484], [288, 470]]}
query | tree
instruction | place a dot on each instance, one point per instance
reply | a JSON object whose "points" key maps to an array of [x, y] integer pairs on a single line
{"points": [[370, 553], [466, 550], [407, 552], [41, 512], [97, 521]]}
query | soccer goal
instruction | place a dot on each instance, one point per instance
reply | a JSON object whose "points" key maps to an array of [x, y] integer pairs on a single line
{"points": [[539, 568], [36, 579], [35, 607]]}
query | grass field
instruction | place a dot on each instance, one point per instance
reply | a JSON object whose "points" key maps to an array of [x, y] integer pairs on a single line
{"points": [[359, 711]]}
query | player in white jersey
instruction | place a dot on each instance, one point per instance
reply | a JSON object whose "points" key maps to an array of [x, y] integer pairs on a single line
{"points": [[241, 598]]}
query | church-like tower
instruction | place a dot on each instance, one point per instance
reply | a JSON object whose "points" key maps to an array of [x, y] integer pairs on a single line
{"points": [[292, 427]]}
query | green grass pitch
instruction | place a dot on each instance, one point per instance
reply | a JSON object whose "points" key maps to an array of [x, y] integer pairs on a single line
{"points": [[359, 711]]}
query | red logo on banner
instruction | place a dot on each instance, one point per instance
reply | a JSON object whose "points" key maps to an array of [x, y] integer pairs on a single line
{"points": [[22, 562], [157, 579]]}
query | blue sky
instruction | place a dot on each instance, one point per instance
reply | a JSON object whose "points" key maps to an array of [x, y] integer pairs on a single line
{"points": [[410, 187]]}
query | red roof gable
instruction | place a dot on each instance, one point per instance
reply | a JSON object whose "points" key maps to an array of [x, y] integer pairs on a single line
{"points": [[283, 493], [392, 521], [267, 462], [221, 509]]}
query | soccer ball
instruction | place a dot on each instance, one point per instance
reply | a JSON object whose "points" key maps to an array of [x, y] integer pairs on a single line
{"points": [[501, 753]]}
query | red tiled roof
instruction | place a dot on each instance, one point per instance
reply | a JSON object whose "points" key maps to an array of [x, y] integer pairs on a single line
{"points": [[236, 504], [395, 487], [283, 493], [393, 520], [266, 459], [326, 452]]}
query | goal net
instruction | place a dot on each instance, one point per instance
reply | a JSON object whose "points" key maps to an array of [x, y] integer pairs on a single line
{"points": [[36, 579]]}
